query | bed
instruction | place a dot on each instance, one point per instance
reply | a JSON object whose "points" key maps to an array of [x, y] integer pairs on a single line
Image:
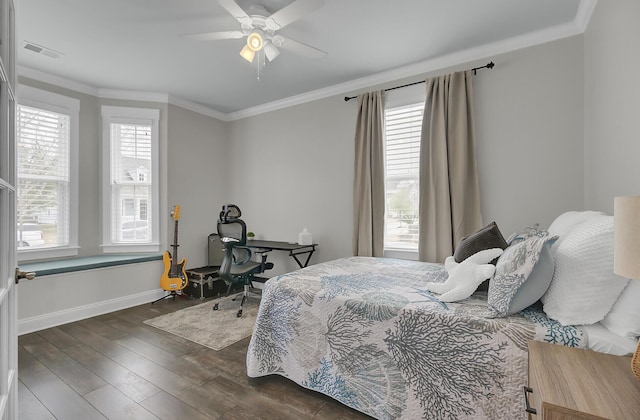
{"points": [[366, 331]]}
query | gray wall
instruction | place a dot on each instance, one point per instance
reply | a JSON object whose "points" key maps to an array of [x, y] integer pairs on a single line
{"points": [[530, 139], [612, 103], [197, 179], [297, 163], [293, 168]]}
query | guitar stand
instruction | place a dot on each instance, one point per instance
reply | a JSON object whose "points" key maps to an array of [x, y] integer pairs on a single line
{"points": [[172, 294]]}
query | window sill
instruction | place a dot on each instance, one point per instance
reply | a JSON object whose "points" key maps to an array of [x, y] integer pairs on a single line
{"points": [[26, 255], [69, 265], [402, 254]]}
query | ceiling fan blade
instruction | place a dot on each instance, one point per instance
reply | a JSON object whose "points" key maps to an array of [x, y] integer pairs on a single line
{"points": [[291, 13], [214, 36], [302, 49], [236, 11]]}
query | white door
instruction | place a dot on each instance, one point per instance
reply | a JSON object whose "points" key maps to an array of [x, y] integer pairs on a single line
{"points": [[8, 299], [8, 289]]}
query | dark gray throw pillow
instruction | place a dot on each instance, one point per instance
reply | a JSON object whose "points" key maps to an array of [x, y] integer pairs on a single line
{"points": [[486, 238]]}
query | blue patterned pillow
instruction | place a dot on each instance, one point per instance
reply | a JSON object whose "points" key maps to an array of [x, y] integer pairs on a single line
{"points": [[523, 274], [527, 232]]}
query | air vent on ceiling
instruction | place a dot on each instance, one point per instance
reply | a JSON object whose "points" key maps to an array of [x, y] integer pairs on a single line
{"points": [[39, 49]]}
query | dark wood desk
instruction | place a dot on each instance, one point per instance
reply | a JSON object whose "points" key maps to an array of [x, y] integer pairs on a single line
{"points": [[293, 248]]}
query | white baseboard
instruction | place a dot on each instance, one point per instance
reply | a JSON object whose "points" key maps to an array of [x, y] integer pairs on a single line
{"points": [[41, 322]]}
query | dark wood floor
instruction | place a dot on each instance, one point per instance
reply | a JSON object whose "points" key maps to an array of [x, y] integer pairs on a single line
{"points": [[116, 367]]}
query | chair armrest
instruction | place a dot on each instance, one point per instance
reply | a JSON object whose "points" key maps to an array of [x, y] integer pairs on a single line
{"points": [[248, 257]]}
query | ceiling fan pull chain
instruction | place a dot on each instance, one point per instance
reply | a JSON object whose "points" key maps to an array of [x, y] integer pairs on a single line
{"points": [[259, 60]]}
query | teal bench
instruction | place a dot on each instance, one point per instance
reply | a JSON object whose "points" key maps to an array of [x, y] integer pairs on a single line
{"points": [[68, 265]]}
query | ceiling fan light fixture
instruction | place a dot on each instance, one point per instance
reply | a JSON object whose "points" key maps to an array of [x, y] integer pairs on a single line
{"points": [[270, 51], [254, 41], [258, 26], [247, 53]]}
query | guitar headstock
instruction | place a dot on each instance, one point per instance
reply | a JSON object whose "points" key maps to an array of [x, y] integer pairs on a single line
{"points": [[175, 213]]}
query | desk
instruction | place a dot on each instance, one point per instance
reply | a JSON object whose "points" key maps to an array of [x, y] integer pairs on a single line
{"points": [[294, 249]]}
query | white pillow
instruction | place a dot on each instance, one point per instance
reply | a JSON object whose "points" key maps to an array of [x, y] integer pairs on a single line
{"points": [[601, 339], [624, 317], [566, 222], [584, 287]]}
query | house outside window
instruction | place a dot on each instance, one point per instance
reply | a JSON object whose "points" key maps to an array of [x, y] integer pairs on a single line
{"points": [[131, 179], [142, 174], [402, 129], [47, 172]]}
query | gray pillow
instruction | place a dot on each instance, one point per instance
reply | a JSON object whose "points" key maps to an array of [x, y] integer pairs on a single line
{"points": [[486, 238], [523, 274]]}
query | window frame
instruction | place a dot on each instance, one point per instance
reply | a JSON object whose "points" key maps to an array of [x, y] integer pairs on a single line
{"points": [[53, 102], [130, 115]]}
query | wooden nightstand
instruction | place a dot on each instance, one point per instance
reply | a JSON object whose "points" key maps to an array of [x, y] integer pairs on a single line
{"points": [[567, 383]]}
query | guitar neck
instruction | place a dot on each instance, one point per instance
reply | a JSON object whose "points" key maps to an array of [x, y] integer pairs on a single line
{"points": [[175, 245]]}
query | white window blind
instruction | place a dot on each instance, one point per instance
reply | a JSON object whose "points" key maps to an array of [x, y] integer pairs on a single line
{"points": [[43, 198], [131, 168], [402, 169]]}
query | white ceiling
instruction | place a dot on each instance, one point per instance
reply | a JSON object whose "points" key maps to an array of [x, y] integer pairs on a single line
{"points": [[135, 45]]}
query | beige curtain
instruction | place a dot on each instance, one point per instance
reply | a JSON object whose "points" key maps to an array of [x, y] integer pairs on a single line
{"points": [[449, 192], [368, 180]]}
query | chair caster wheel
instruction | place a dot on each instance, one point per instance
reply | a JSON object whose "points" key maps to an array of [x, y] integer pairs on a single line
{"points": [[215, 307], [239, 314]]}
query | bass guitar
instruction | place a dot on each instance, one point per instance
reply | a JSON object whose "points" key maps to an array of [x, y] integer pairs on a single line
{"points": [[174, 276]]}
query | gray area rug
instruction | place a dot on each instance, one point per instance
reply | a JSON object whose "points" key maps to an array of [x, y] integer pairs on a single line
{"points": [[213, 329]]}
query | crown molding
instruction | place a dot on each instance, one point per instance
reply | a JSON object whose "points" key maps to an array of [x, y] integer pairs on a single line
{"points": [[585, 10], [200, 109], [118, 93], [484, 52], [56, 80], [132, 95], [488, 51]]}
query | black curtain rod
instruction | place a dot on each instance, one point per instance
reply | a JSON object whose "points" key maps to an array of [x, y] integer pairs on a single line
{"points": [[474, 70]]}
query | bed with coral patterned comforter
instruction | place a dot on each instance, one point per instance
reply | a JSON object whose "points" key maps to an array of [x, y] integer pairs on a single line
{"points": [[365, 332]]}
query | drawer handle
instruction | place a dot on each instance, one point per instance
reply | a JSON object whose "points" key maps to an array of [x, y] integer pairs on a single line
{"points": [[527, 407]]}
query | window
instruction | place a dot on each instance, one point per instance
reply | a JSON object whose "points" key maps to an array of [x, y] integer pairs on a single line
{"points": [[131, 179], [402, 171], [47, 150], [402, 128]]}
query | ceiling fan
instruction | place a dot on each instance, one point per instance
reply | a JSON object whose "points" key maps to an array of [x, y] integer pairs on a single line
{"points": [[260, 27]]}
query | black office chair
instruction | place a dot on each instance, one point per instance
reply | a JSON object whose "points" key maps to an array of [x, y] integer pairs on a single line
{"points": [[237, 266]]}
